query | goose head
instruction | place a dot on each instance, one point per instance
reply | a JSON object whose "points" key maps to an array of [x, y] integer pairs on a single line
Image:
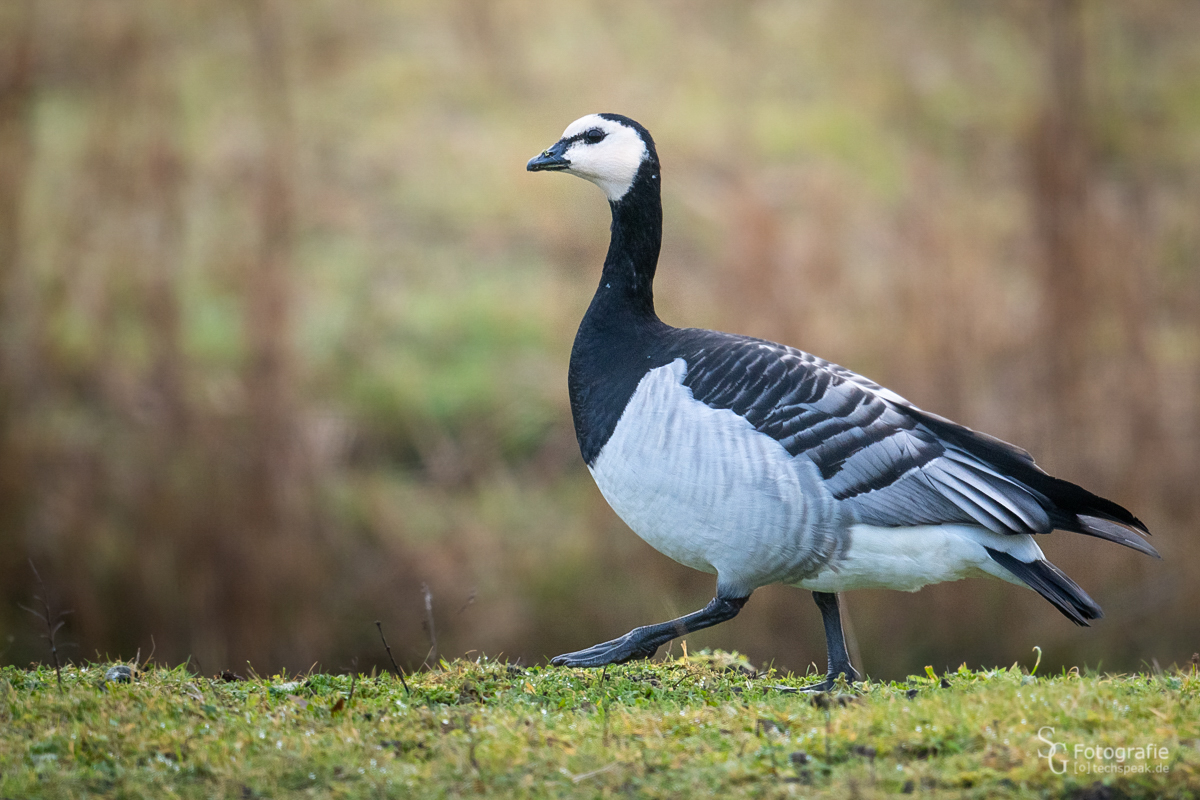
{"points": [[607, 149]]}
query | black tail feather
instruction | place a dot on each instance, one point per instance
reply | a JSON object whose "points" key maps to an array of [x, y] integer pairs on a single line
{"points": [[1053, 584], [1115, 532]]}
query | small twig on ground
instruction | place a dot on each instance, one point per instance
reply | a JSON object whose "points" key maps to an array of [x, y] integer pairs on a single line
{"points": [[53, 622], [396, 667], [199, 669], [353, 681], [344, 703], [153, 646], [593, 773], [428, 625], [470, 600]]}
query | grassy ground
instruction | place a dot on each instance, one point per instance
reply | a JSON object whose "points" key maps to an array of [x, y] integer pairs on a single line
{"points": [[708, 724]]}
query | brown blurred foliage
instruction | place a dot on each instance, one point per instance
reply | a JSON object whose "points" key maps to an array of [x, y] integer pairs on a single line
{"points": [[285, 324]]}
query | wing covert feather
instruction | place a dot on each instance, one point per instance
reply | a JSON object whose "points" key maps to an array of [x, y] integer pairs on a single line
{"points": [[871, 446]]}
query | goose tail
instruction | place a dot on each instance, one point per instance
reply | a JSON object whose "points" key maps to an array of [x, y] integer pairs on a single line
{"points": [[1053, 584]]}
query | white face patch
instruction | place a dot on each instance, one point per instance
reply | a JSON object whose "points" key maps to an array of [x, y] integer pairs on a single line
{"points": [[613, 162]]}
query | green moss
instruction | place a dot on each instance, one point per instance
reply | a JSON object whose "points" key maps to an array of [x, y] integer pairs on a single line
{"points": [[708, 723]]}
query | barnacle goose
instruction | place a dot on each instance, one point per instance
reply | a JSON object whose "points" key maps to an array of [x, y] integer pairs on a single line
{"points": [[764, 464]]}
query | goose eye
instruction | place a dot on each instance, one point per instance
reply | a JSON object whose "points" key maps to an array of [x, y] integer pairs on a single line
{"points": [[594, 136]]}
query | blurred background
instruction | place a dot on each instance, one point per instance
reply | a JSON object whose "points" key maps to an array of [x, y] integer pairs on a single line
{"points": [[284, 323]]}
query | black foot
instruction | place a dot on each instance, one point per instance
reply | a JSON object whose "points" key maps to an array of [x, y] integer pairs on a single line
{"points": [[824, 686], [629, 647], [830, 682], [644, 642]]}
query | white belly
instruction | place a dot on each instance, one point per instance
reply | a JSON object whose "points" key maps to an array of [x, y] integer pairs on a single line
{"points": [[701, 486]]}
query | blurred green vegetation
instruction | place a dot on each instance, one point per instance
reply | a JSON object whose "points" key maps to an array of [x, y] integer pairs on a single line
{"points": [[285, 323]]}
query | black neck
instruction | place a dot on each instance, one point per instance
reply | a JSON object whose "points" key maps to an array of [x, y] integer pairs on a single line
{"points": [[618, 338], [627, 282]]}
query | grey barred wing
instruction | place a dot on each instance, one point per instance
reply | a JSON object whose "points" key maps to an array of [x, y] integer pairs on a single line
{"points": [[891, 463]]}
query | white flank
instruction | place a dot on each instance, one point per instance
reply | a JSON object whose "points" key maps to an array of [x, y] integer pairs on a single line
{"points": [[909, 558], [611, 164], [701, 486]]}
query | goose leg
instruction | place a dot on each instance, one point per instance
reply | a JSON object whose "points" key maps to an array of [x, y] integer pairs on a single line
{"points": [[835, 643], [644, 642]]}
